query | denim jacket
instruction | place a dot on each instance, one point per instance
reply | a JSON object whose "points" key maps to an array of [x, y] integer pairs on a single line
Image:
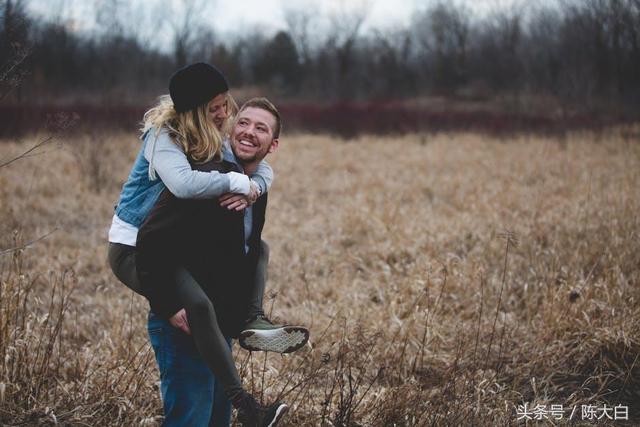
{"points": [[139, 192]]}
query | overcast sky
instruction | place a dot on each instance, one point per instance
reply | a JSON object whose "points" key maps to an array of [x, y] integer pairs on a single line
{"points": [[231, 17], [234, 14]]}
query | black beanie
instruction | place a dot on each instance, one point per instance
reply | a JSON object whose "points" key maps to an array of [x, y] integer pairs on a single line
{"points": [[195, 85]]}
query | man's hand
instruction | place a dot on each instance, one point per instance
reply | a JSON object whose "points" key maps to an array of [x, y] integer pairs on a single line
{"points": [[179, 320], [233, 201]]}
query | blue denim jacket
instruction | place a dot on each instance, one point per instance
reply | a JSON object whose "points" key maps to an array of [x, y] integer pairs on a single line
{"points": [[139, 193]]}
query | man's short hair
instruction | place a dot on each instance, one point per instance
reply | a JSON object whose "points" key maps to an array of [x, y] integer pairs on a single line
{"points": [[265, 104]]}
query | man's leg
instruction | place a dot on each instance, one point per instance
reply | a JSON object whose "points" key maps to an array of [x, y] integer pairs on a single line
{"points": [[186, 382], [259, 333], [256, 296], [190, 394]]}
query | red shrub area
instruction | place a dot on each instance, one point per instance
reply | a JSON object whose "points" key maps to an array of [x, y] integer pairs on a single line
{"points": [[20, 119], [351, 119], [344, 119]]}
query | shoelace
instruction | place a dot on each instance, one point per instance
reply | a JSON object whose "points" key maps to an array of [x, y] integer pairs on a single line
{"points": [[263, 317]]}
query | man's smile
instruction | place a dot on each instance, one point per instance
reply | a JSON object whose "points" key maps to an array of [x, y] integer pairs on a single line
{"points": [[246, 143]]}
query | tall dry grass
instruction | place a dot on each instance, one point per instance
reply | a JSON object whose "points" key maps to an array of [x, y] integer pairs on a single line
{"points": [[446, 279]]}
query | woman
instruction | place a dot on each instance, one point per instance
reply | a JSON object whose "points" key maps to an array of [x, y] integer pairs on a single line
{"points": [[187, 128]]}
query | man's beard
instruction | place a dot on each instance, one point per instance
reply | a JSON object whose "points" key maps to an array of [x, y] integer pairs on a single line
{"points": [[244, 158]]}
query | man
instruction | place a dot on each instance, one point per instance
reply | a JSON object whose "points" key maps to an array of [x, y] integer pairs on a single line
{"points": [[220, 249]]}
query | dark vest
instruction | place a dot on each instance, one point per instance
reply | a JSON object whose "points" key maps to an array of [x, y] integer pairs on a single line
{"points": [[207, 240]]}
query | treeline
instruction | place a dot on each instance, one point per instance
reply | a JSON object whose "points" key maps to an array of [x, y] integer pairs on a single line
{"points": [[582, 52]]}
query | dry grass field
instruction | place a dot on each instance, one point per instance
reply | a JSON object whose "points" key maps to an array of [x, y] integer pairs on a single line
{"points": [[446, 280]]}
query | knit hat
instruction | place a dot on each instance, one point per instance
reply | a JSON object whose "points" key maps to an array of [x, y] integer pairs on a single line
{"points": [[195, 85]]}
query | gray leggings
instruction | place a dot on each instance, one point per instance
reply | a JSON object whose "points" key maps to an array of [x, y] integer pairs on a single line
{"points": [[201, 315]]}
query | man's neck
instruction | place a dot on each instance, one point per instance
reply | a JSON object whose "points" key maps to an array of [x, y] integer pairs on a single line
{"points": [[249, 168]]}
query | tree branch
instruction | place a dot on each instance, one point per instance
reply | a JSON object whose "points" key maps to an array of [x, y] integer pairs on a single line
{"points": [[26, 245], [28, 152]]}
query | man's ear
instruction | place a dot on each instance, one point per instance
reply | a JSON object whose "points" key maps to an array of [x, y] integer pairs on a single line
{"points": [[274, 145]]}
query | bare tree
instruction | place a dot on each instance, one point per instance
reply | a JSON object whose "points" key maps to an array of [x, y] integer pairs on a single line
{"points": [[581, 51], [15, 46], [345, 26], [203, 45], [442, 30], [185, 21], [391, 53], [110, 16], [301, 23], [13, 70]]}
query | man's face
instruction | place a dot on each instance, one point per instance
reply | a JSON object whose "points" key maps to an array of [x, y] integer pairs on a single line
{"points": [[217, 110], [252, 135]]}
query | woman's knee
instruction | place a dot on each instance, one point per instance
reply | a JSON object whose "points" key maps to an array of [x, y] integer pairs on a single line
{"points": [[122, 262], [114, 256], [200, 308]]}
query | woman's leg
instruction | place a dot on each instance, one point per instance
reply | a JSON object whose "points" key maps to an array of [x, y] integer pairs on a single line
{"points": [[122, 259], [210, 341]]}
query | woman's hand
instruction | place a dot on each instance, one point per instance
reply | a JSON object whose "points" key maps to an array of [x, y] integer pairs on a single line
{"points": [[179, 320], [238, 202]]}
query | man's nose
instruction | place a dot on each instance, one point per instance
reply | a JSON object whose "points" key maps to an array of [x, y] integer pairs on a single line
{"points": [[250, 130], [249, 133]]}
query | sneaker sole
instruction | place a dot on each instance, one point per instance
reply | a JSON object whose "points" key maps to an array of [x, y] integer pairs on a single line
{"points": [[281, 340], [280, 412]]}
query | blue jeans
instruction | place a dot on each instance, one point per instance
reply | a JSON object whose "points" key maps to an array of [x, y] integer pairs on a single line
{"points": [[190, 394]]}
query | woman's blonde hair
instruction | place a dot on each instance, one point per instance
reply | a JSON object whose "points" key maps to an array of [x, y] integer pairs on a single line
{"points": [[192, 130]]}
